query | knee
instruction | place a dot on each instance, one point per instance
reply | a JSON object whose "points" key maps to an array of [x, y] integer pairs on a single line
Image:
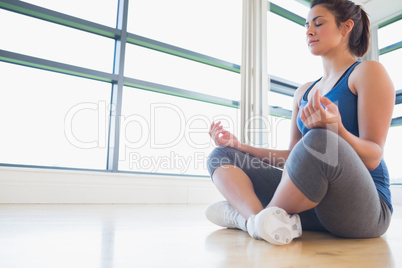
{"points": [[322, 142], [320, 145], [220, 156], [319, 139]]}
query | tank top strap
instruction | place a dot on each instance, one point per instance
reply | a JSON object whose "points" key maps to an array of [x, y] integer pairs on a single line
{"points": [[344, 75], [309, 89]]}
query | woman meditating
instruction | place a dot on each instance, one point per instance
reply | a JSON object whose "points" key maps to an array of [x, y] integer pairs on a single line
{"points": [[334, 178]]}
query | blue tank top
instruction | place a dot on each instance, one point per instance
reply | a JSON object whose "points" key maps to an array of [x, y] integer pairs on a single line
{"points": [[346, 101]]}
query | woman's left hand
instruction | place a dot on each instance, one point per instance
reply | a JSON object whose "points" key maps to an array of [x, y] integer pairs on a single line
{"points": [[320, 112]]}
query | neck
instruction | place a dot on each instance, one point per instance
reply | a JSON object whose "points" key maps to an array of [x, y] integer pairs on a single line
{"points": [[336, 64]]}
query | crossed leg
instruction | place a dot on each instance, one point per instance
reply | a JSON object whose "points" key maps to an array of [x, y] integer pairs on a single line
{"points": [[237, 188]]}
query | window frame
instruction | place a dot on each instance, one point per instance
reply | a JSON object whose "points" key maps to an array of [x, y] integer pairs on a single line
{"points": [[118, 80]]}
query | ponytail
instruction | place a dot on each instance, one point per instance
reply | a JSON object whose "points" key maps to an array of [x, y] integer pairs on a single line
{"points": [[359, 38]]}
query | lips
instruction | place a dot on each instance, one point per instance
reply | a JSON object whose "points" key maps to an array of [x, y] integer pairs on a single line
{"points": [[310, 42]]}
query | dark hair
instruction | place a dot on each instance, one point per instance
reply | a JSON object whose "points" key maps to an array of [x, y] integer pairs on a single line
{"points": [[343, 10]]}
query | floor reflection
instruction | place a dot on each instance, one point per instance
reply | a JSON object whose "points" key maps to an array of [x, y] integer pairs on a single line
{"points": [[313, 249]]}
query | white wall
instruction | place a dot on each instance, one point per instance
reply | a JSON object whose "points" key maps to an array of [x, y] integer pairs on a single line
{"points": [[28, 185]]}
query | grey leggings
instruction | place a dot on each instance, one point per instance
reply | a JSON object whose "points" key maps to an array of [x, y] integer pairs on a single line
{"points": [[327, 170]]}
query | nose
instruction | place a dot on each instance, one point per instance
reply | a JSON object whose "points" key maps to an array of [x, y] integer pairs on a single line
{"points": [[310, 31]]}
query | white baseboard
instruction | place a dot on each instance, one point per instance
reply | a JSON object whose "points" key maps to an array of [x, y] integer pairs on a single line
{"points": [[48, 186], [32, 185]]}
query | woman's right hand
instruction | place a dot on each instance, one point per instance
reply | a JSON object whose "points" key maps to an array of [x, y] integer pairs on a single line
{"points": [[221, 137]]}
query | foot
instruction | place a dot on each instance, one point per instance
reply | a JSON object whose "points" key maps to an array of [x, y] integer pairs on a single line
{"points": [[224, 214], [275, 226]]}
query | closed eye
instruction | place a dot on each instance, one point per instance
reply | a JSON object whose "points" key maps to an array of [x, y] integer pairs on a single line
{"points": [[308, 25]]}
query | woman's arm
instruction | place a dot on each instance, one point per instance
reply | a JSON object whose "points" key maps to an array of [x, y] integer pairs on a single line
{"points": [[376, 99], [273, 157], [276, 158], [222, 137], [295, 134]]}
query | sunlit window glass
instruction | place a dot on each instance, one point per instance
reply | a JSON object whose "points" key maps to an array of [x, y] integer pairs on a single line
{"points": [[103, 12], [51, 119], [38, 38], [392, 153], [280, 100], [392, 62], [279, 127], [388, 34], [397, 111], [278, 132], [210, 27], [288, 54], [293, 6], [162, 68], [166, 134]]}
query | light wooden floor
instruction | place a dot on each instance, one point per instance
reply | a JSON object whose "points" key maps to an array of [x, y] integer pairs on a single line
{"points": [[114, 236]]}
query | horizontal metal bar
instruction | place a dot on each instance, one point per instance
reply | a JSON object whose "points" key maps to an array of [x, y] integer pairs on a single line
{"points": [[135, 83], [396, 121], [283, 86], [53, 66], [398, 97], [280, 112], [91, 27], [277, 84], [88, 26], [180, 52], [391, 48], [304, 2], [59, 18], [286, 14], [392, 20], [154, 87]]}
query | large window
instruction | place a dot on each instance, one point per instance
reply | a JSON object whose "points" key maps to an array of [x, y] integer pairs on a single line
{"points": [[162, 68], [390, 45], [51, 119], [38, 38], [103, 12], [209, 27], [133, 86], [289, 62], [69, 100], [166, 134], [288, 54]]}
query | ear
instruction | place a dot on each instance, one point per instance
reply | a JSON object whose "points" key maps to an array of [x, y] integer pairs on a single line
{"points": [[347, 27]]}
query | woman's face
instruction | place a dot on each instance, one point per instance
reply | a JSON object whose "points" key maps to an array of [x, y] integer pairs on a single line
{"points": [[322, 33]]}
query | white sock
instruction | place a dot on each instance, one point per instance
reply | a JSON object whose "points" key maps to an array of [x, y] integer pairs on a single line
{"points": [[250, 228], [242, 222]]}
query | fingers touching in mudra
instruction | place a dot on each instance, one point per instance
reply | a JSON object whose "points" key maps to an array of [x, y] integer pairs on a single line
{"points": [[222, 137], [320, 112]]}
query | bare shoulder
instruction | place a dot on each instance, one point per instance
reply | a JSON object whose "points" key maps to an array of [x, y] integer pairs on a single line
{"points": [[369, 66], [369, 74], [300, 92]]}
